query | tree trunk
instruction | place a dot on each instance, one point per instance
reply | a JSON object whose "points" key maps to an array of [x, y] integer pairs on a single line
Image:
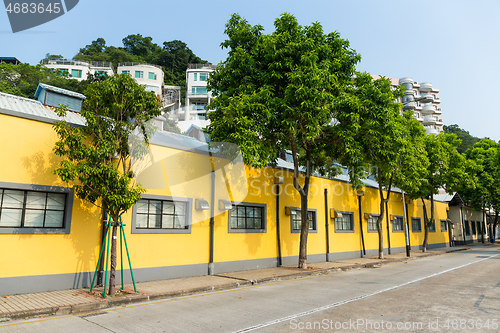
{"points": [[381, 216], [112, 271], [380, 230], [304, 232]]}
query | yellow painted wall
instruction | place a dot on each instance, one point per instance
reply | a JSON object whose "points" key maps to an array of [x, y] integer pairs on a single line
{"points": [[27, 158]]}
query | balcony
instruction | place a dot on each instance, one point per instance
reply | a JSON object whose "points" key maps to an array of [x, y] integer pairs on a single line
{"points": [[406, 80], [438, 111], [64, 62], [428, 108], [429, 120], [409, 106], [439, 122], [202, 66], [426, 87], [431, 130]]}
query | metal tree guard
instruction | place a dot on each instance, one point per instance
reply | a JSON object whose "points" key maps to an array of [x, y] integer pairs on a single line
{"points": [[107, 236]]}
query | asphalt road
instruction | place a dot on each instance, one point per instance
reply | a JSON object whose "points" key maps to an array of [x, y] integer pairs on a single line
{"points": [[456, 292]]}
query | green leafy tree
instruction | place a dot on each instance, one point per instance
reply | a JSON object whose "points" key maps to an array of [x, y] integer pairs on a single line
{"points": [[97, 158], [467, 140], [484, 156], [23, 79], [385, 143], [142, 47], [275, 92], [447, 169], [49, 56]]}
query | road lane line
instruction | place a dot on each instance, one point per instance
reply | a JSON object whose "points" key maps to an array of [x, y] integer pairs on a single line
{"points": [[336, 304]]}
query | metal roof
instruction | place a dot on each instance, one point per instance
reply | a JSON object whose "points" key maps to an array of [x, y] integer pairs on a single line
{"points": [[57, 90], [32, 109], [178, 141]]}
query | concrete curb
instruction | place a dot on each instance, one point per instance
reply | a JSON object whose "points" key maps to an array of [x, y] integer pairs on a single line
{"points": [[86, 308]]}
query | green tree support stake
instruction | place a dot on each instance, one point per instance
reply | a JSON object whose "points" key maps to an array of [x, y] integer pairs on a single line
{"points": [[100, 256], [121, 254], [128, 255]]}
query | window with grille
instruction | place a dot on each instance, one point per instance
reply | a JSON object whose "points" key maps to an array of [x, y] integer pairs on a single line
{"points": [[372, 223], [345, 223], [31, 209], [416, 225], [296, 220], [247, 217], [160, 214], [397, 224], [444, 225]]}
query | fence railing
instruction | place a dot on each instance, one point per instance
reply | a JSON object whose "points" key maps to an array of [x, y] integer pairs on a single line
{"points": [[137, 64], [201, 66]]}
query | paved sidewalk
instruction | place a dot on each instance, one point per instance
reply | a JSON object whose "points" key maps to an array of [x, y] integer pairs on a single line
{"points": [[76, 301]]}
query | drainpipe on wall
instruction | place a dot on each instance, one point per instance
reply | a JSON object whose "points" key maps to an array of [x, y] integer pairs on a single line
{"points": [[212, 223], [388, 228], [463, 225], [407, 227], [327, 227], [280, 261], [482, 226]]}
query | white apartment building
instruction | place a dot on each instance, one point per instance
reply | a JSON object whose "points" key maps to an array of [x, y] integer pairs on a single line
{"points": [[146, 74], [197, 97], [79, 70], [428, 114]]}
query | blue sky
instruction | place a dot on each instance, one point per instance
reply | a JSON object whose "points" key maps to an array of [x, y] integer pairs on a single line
{"points": [[455, 45]]}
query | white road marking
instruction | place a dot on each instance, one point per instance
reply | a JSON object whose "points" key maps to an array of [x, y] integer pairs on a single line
{"points": [[334, 305]]}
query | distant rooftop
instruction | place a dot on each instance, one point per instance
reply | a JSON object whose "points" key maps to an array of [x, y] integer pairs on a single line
{"points": [[76, 63], [10, 60], [137, 64], [42, 86], [31, 109]]}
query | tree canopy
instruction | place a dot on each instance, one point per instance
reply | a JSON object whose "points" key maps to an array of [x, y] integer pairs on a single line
{"points": [[467, 140], [484, 156], [275, 92], [173, 56], [378, 140], [23, 79], [447, 169], [97, 157]]}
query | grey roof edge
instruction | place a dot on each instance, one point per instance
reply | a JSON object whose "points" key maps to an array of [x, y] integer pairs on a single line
{"points": [[58, 90], [35, 117]]}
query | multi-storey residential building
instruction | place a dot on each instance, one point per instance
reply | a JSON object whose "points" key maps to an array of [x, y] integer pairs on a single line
{"points": [[146, 74], [428, 113], [197, 98], [80, 69]]}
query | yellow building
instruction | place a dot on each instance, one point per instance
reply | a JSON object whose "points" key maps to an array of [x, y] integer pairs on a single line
{"points": [[50, 239]]}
